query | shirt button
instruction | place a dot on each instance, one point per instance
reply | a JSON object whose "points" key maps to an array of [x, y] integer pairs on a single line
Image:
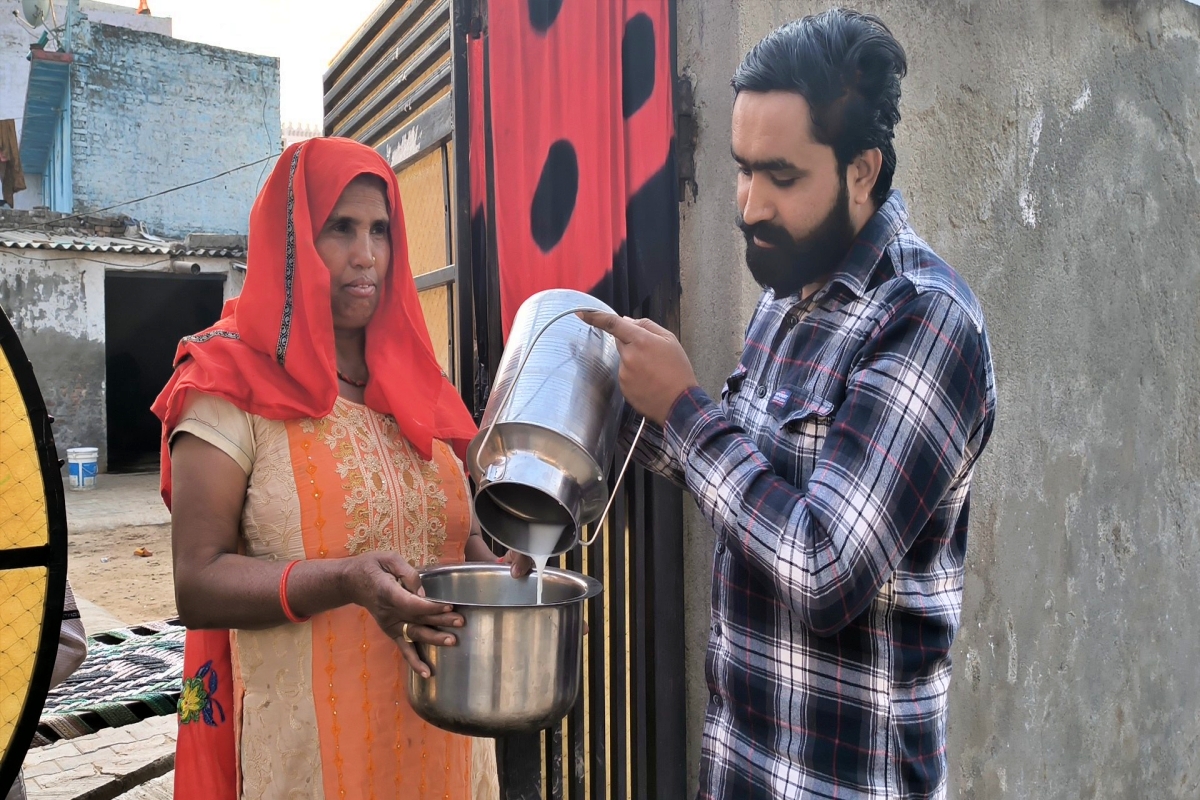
{"points": [[762, 391], [716, 700], [717, 629], [789, 322], [720, 548]]}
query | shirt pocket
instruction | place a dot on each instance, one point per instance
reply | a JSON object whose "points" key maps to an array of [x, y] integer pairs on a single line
{"points": [[800, 422]]}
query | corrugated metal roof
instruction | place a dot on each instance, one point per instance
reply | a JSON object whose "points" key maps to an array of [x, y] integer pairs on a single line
{"points": [[45, 240]]}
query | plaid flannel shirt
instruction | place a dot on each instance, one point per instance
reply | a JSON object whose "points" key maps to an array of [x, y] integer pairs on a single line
{"points": [[836, 472]]}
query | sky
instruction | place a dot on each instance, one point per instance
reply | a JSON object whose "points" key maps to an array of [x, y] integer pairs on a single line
{"points": [[304, 34]]}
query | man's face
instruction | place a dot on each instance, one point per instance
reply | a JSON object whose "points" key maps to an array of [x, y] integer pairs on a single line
{"points": [[793, 203]]}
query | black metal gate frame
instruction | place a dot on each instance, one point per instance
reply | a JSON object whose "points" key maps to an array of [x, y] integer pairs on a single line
{"points": [[625, 737]]}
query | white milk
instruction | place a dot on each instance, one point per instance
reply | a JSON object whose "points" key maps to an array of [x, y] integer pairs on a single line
{"points": [[542, 538], [540, 563]]}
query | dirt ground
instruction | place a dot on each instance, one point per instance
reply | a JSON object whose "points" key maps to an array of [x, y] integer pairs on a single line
{"points": [[130, 587]]}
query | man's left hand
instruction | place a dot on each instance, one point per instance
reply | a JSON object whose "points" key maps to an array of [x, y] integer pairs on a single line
{"points": [[655, 370]]}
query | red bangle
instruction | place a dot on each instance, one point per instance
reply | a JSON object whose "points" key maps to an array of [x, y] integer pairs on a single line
{"points": [[283, 602]]}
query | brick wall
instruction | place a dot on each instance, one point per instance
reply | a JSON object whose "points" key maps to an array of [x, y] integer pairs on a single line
{"points": [[152, 112]]}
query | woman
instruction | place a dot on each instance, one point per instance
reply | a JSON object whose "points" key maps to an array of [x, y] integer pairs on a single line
{"points": [[311, 451]]}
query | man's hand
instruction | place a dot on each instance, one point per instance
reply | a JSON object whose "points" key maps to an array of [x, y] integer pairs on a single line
{"points": [[654, 369]]}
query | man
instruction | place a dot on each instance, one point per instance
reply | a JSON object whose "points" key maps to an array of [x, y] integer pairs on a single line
{"points": [[836, 469]]}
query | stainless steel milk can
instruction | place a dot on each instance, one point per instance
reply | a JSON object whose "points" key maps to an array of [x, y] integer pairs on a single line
{"points": [[548, 433]]}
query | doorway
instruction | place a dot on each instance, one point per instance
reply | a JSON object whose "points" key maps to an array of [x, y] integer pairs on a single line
{"points": [[145, 316]]}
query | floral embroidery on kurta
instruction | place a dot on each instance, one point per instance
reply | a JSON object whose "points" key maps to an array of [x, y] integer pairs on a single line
{"points": [[197, 698], [393, 498]]}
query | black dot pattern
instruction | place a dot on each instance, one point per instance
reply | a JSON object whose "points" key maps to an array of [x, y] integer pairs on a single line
{"points": [[637, 63], [554, 198], [542, 13]]}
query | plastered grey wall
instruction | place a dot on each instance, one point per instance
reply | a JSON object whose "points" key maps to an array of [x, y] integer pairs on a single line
{"points": [[56, 306], [1050, 151], [151, 113]]}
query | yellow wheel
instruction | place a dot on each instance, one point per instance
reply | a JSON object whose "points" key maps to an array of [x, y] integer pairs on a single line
{"points": [[33, 553]]}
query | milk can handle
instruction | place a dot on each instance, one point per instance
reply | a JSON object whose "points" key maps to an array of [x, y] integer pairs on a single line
{"points": [[508, 399], [612, 497]]}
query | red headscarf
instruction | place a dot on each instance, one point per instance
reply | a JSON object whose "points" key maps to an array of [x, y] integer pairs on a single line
{"points": [[272, 354]]}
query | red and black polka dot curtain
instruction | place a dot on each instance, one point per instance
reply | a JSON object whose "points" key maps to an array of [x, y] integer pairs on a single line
{"points": [[572, 149]]}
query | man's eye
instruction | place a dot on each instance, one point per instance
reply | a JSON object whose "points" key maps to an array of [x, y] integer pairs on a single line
{"points": [[783, 183]]}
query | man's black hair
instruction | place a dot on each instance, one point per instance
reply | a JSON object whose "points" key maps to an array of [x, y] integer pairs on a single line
{"points": [[847, 66]]}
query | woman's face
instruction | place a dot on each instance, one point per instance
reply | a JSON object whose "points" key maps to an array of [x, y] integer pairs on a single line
{"points": [[356, 246]]}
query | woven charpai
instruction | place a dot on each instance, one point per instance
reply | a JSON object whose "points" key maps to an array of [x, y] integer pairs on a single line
{"points": [[129, 675]]}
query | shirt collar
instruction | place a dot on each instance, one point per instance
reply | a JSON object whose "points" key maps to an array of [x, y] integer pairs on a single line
{"points": [[859, 265]]}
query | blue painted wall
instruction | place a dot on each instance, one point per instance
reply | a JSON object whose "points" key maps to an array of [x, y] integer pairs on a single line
{"points": [[151, 112]]}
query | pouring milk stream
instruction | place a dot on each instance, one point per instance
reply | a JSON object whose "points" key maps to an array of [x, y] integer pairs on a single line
{"points": [[542, 538]]}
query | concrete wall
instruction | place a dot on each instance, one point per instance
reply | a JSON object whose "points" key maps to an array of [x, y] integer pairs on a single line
{"points": [[1050, 151], [14, 69], [55, 301], [120, 16], [56, 307], [152, 113]]}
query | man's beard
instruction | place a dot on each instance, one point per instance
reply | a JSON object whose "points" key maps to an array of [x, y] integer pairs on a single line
{"points": [[792, 264]]}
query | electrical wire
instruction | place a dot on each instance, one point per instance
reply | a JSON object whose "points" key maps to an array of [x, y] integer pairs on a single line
{"points": [[72, 255], [81, 215]]}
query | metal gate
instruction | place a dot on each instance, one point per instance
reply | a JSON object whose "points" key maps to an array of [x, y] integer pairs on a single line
{"points": [[390, 88], [401, 87]]}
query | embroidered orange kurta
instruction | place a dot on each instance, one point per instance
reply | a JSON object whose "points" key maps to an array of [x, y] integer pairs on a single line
{"points": [[320, 708]]}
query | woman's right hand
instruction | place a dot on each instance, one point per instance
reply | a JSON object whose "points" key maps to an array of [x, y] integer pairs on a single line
{"points": [[387, 586]]}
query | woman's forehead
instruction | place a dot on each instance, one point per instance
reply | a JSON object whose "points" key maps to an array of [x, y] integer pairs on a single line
{"points": [[364, 193]]}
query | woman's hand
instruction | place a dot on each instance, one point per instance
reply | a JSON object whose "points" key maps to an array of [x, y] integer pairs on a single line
{"points": [[390, 589], [521, 564], [478, 551]]}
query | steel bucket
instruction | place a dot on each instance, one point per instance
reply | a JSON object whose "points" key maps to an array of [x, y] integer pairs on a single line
{"points": [[517, 666], [550, 427]]}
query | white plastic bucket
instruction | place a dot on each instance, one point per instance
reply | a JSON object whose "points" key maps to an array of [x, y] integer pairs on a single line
{"points": [[82, 465]]}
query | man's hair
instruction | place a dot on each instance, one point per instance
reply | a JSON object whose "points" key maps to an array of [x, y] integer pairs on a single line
{"points": [[847, 66]]}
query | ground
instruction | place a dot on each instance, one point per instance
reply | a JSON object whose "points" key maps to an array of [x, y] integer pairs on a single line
{"points": [[103, 569]]}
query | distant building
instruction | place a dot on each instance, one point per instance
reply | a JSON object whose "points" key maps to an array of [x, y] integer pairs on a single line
{"points": [[298, 132], [100, 288], [15, 41], [148, 113], [99, 309]]}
